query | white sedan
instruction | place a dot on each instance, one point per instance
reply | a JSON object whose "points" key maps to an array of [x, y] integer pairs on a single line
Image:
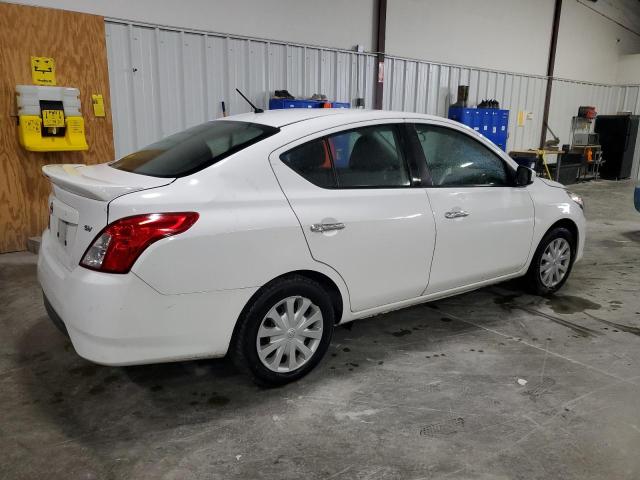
{"points": [[254, 235]]}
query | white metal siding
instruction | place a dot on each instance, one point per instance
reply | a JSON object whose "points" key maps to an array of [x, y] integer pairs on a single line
{"points": [[428, 87], [567, 96], [165, 80]]}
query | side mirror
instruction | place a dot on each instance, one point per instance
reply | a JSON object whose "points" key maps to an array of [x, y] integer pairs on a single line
{"points": [[524, 176]]}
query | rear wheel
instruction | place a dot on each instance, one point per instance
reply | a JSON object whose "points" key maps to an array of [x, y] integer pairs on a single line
{"points": [[284, 332], [552, 262]]}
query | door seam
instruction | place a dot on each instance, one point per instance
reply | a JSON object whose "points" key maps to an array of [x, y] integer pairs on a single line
{"points": [[346, 286]]}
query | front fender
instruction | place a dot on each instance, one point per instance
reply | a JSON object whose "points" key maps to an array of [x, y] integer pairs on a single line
{"points": [[552, 204]]}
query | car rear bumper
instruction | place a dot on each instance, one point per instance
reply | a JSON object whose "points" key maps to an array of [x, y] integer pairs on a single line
{"points": [[54, 317], [120, 320]]}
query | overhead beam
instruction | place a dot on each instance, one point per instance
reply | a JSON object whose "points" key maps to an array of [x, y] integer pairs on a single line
{"points": [[381, 33], [550, 69]]}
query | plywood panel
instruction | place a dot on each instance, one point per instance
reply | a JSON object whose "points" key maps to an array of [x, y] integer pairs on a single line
{"points": [[77, 43]]}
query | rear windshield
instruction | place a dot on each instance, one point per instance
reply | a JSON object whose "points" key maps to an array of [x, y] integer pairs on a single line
{"points": [[198, 147]]}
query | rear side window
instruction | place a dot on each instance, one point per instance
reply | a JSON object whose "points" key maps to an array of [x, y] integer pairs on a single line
{"points": [[194, 149], [369, 157], [311, 161]]}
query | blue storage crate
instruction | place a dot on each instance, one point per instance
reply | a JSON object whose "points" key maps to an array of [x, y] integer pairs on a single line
{"points": [[491, 122], [281, 103], [467, 116], [486, 121], [462, 114], [499, 128]]}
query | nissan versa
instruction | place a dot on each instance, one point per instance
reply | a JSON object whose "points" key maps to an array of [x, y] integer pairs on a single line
{"points": [[254, 235]]}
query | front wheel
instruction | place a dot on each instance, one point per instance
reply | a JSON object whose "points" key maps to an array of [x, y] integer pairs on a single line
{"points": [[552, 262], [284, 332]]}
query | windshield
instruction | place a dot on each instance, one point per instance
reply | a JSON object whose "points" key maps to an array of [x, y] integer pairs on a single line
{"points": [[193, 149]]}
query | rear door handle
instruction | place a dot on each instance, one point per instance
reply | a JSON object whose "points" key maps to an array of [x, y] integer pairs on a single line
{"points": [[326, 227], [456, 214]]}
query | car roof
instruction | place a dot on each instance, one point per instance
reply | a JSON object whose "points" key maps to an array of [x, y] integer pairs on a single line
{"points": [[284, 117]]}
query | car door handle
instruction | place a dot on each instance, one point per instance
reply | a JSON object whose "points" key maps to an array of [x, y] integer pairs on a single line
{"points": [[326, 227], [456, 214]]}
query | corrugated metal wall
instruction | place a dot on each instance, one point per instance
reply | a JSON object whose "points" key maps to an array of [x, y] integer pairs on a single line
{"points": [[426, 87], [164, 80], [567, 96], [629, 99]]}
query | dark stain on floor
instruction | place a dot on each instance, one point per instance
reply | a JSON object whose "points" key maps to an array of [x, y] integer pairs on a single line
{"points": [[619, 326], [96, 390], [85, 370], [506, 299], [567, 304], [110, 379], [218, 400], [401, 333], [615, 304], [633, 236], [577, 328]]}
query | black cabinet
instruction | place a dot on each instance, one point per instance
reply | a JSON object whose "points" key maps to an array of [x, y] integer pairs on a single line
{"points": [[618, 140]]}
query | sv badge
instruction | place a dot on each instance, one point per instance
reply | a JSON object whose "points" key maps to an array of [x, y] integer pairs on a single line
{"points": [[88, 228]]}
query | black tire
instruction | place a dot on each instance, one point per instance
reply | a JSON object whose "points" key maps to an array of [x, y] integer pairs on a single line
{"points": [[533, 279], [243, 349]]}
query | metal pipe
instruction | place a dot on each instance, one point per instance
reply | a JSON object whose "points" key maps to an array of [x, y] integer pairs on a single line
{"points": [[381, 33], [550, 67]]}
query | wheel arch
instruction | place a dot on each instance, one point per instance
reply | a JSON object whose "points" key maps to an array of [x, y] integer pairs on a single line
{"points": [[567, 223], [570, 225], [324, 280], [329, 285]]}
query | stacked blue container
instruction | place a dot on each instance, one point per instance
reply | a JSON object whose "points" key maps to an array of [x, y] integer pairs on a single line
{"points": [[280, 103], [493, 123]]}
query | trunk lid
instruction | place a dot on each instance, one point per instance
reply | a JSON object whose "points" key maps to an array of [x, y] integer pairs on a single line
{"points": [[99, 182], [78, 204]]}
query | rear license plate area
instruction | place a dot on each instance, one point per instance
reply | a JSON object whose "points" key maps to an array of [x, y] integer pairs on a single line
{"points": [[63, 225], [63, 228]]}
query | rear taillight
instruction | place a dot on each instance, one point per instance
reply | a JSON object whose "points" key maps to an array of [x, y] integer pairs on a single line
{"points": [[119, 244]]}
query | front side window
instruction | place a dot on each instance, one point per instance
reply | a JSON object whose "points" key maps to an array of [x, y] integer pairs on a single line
{"points": [[196, 148], [369, 157], [456, 159]]}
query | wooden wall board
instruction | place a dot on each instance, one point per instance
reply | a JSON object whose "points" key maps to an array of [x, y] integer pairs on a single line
{"points": [[77, 43]]}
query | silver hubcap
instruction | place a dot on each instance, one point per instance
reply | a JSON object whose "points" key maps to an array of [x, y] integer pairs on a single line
{"points": [[555, 262], [289, 334]]}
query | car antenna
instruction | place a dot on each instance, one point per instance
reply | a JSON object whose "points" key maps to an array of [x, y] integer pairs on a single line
{"points": [[255, 109]]}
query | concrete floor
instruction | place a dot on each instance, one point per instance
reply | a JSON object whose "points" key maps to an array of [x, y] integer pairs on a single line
{"points": [[427, 392]]}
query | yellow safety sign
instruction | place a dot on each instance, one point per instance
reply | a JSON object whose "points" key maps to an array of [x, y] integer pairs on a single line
{"points": [[52, 118], [43, 70], [98, 104]]}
